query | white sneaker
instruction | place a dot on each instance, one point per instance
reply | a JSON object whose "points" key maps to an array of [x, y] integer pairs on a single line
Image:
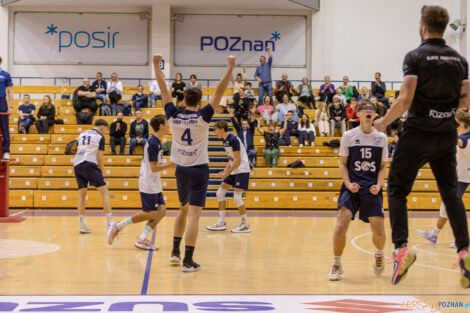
{"points": [[428, 235], [243, 228], [453, 245], [112, 233], [84, 229], [6, 156], [145, 245], [336, 271], [217, 227], [379, 264], [175, 258]]}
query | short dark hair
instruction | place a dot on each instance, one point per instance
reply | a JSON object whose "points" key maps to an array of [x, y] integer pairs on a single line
{"points": [[378, 73], [156, 121], [1, 59], [99, 73], [193, 76], [26, 95], [435, 18], [192, 96], [221, 125], [291, 112], [101, 122], [248, 84]]}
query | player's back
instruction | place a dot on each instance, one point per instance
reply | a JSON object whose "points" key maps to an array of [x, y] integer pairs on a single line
{"points": [[190, 131], [89, 142], [233, 143]]}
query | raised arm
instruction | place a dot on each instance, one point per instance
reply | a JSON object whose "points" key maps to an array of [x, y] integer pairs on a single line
{"points": [[260, 131], [222, 85], [464, 102], [284, 129], [160, 77]]}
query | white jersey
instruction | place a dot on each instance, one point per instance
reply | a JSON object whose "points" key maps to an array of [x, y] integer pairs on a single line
{"points": [[190, 131], [89, 142], [150, 182], [463, 159], [233, 143]]}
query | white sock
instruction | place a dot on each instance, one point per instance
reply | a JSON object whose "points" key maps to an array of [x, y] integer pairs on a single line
{"points": [[337, 260], [379, 252], [124, 223], [243, 218], [436, 230], [82, 219], [147, 230], [109, 217], [221, 216]]}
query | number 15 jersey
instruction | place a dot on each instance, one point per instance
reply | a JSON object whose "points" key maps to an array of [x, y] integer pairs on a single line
{"points": [[365, 153], [190, 131]]}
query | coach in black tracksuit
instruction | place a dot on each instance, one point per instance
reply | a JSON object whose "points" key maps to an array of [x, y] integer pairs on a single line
{"points": [[434, 87]]}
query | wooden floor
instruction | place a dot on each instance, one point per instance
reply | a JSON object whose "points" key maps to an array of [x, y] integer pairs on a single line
{"points": [[287, 253]]}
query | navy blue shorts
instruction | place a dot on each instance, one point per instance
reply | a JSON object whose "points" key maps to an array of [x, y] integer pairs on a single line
{"points": [[238, 180], [192, 184], [88, 174], [367, 204], [151, 201]]}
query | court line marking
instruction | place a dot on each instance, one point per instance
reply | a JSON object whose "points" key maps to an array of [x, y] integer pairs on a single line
{"points": [[430, 252], [145, 283], [17, 213], [353, 242]]}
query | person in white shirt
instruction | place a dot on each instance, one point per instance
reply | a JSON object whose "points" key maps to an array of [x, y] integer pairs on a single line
{"points": [[339, 95], [114, 89], [155, 92], [150, 187], [308, 130], [284, 107], [88, 166]]}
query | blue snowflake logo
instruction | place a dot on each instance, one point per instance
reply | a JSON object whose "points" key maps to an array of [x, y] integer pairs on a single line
{"points": [[275, 36], [51, 29]]}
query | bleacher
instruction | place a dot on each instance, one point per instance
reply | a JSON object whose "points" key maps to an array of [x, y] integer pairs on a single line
{"points": [[43, 175]]}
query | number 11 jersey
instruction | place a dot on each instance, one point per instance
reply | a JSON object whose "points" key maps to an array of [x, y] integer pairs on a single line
{"points": [[190, 131]]}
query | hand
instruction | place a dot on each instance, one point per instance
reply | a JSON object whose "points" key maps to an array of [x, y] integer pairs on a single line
{"points": [[268, 49], [9, 111], [244, 69], [229, 110], [43, 117], [118, 126], [353, 187], [375, 189], [231, 60], [253, 110], [223, 174], [171, 164], [157, 58], [139, 140], [284, 118], [258, 80], [379, 124]]}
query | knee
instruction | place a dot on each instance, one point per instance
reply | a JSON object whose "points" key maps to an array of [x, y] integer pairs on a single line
{"points": [[161, 212], [237, 198]]}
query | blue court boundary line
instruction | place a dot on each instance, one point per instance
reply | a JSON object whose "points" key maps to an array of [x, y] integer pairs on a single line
{"points": [[243, 294], [145, 283]]}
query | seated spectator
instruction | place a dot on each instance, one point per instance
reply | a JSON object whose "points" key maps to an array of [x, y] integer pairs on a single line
{"points": [[349, 91], [266, 111], [364, 94], [284, 87], [293, 130], [26, 118], [249, 93], [139, 132], [114, 89], [284, 107], [246, 132], [306, 95], [381, 110], [100, 88], [308, 130], [241, 105], [86, 98], [46, 116], [239, 82], [117, 134], [392, 146], [327, 90], [337, 117], [140, 100], [194, 83], [378, 90], [339, 95], [397, 124], [351, 110], [178, 87], [322, 117], [271, 138], [155, 92]]}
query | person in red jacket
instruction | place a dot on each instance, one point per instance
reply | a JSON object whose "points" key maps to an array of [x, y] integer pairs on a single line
{"points": [[351, 116]]}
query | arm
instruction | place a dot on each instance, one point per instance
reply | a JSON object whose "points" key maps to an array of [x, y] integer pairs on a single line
{"points": [[284, 129], [132, 131], [100, 160], [155, 167], [112, 129], [10, 99], [236, 162], [220, 89], [260, 131], [146, 129], [166, 96], [464, 102], [343, 169], [270, 56], [375, 189]]}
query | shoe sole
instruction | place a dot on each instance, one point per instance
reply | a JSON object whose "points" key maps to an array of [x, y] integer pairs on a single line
{"points": [[243, 231], [85, 232], [216, 229], [465, 265], [379, 270], [334, 278], [145, 248], [111, 236], [409, 261], [174, 259], [190, 269]]}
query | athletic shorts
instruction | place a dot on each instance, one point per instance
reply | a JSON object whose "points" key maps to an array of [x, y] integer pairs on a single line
{"points": [[88, 174], [238, 180], [461, 188], [192, 183], [367, 204], [151, 201]]}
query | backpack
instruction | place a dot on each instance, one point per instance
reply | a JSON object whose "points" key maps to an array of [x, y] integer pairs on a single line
{"points": [[333, 143], [84, 118], [126, 110], [296, 164], [71, 147], [106, 110]]}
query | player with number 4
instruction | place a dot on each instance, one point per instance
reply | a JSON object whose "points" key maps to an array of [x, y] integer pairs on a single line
{"points": [[189, 151]]}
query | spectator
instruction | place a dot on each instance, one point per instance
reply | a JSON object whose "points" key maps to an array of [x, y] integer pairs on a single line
{"points": [[306, 95], [239, 82], [337, 117], [327, 90], [5, 109], [349, 91], [241, 105], [351, 110], [378, 90], [293, 130], [249, 93], [266, 111], [26, 118], [46, 116], [100, 88], [114, 89], [246, 132], [308, 130], [140, 100], [139, 132], [155, 92], [194, 83], [284, 87], [339, 95], [397, 124], [271, 138], [381, 110], [321, 119], [392, 146], [263, 76], [178, 87], [365, 95], [117, 134], [86, 98], [284, 107]]}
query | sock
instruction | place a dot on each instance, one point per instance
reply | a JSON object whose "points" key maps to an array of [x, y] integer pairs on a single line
{"points": [[436, 230], [82, 219], [337, 260], [147, 230], [176, 244], [243, 218], [124, 223], [109, 217], [188, 254], [221, 216], [379, 252]]}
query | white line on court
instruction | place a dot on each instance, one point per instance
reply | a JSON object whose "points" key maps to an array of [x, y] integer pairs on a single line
{"points": [[415, 247]]}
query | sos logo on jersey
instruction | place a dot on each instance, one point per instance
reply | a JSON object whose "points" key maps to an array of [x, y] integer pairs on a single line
{"points": [[364, 166]]}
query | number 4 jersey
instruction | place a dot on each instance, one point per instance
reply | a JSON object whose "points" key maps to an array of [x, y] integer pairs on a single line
{"points": [[365, 153], [190, 131], [89, 142]]}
